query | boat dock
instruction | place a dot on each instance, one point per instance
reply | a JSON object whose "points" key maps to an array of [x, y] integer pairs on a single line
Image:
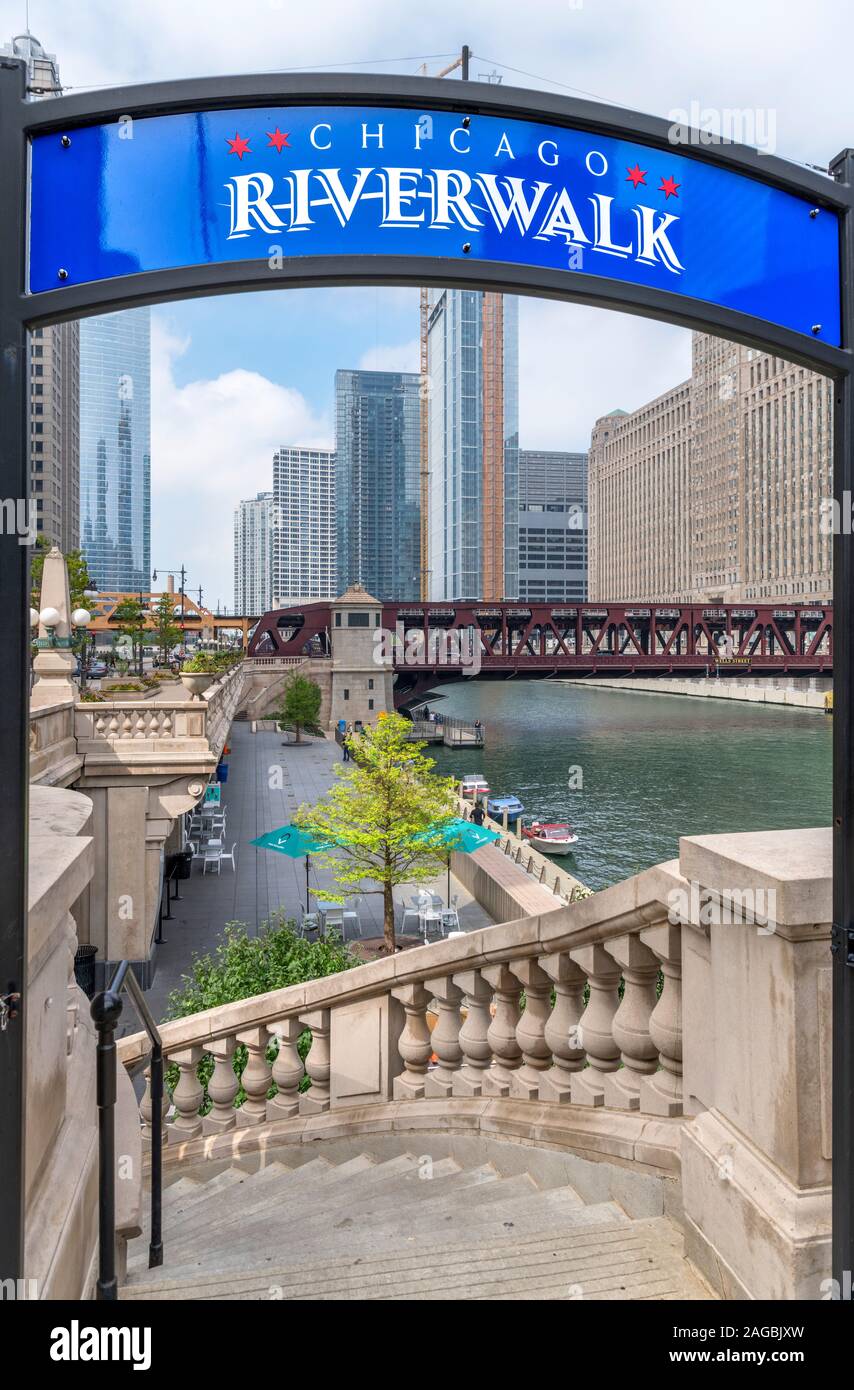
{"points": [[454, 733]]}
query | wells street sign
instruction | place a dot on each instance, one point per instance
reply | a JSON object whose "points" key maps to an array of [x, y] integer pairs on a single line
{"points": [[156, 193]]}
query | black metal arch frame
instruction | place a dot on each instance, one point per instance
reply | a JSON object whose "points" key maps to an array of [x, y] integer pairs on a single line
{"points": [[20, 312]]}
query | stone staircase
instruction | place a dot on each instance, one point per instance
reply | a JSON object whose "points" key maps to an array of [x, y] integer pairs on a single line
{"points": [[401, 1227]]}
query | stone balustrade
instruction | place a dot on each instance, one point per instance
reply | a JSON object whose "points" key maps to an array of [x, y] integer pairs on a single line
{"points": [[643, 1027]]}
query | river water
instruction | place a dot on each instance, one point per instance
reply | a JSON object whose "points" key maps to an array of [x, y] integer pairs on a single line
{"points": [[652, 767]]}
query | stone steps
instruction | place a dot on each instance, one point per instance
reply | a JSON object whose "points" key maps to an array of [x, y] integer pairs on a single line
{"points": [[303, 1227]]}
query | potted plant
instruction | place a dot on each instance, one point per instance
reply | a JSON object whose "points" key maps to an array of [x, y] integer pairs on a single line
{"points": [[197, 674]]}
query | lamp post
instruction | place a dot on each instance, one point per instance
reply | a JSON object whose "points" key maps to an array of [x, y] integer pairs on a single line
{"points": [[183, 574], [81, 618]]}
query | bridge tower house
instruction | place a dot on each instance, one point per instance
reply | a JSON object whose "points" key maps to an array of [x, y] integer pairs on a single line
{"points": [[362, 674]]}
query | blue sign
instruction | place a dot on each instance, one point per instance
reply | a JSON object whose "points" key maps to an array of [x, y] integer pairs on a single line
{"points": [[163, 192]]}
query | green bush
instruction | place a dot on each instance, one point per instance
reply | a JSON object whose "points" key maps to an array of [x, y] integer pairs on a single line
{"points": [[242, 966], [211, 663]]}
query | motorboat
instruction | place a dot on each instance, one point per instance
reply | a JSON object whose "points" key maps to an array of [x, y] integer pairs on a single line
{"points": [[554, 837], [474, 787], [497, 805]]}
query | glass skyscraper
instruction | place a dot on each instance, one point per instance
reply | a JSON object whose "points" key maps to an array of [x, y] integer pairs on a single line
{"points": [[473, 445], [115, 449], [377, 488]]}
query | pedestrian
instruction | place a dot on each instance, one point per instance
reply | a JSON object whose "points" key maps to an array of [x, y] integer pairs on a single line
{"points": [[345, 750], [478, 814]]}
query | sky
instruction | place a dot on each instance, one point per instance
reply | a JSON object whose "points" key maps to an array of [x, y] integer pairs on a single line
{"points": [[234, 378]]}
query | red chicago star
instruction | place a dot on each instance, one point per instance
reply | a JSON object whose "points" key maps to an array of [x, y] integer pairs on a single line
{"points": [[277, 139], [669, 187], [636, 175], [238, 146]]}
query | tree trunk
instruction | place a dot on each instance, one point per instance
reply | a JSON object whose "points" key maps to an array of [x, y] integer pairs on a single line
{"points": [[296, 731], [388, 918]]}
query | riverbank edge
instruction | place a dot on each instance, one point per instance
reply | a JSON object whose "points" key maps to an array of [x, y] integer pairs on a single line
{"points": [[753, 693]]}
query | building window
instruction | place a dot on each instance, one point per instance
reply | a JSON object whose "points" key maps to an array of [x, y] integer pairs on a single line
{"points": [[358, 619], [337, 619], [370, 684], [370, 704], [346, 694]]}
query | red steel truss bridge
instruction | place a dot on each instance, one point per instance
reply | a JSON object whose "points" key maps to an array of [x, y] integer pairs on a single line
{"points": [[431, 642]]}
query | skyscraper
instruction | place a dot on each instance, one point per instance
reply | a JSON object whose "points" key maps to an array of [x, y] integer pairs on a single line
{"points": [[115, 445], [253, 554], [473, 445], [54, 369], [552, 526], [303, 525], [377, 447]]}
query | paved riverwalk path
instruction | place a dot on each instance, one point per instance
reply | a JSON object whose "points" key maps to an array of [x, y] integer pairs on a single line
{"points": [[267, 781]]}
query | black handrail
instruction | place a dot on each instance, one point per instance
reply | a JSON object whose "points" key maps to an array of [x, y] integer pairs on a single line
{"points": [[106, 1011]]}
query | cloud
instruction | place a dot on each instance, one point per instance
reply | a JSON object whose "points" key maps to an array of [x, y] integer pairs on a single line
{"points": [[577, 363], [406, 357], [212, 443]]}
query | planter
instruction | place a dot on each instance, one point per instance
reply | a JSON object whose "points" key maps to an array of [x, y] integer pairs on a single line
{"points": [[196, 682]]}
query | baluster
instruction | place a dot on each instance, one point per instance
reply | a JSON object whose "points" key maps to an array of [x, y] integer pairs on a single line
{"points": [[631, 1021], [506, 1052], [474, 1039], [222, 1087], [414, 1044], [531, 1030], [187, 1096], [595, 1029], [288, 1070], [146, 1111], [317, 1064], [661, 1093], [446, 1037], [562, 1027], [256, 1078]]}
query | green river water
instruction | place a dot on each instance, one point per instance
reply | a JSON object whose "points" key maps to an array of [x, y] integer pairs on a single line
{"points": [[654, 767]]}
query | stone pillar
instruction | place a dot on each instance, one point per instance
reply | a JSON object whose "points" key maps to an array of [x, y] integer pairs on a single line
{"points": [[661, 1092], [756, 1165], [445, 1038], [474, 1040], [288, 1070], [414, 1043], [256, 1078], [596, 1029], [562, 1027], [315, 1100], [531, 1030], [506, 1052], [631, 1021], [223, 1087], [54, 660]]}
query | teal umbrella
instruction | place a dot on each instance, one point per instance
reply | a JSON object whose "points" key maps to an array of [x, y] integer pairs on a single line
{"points": [[296, 843], [461, 835]]}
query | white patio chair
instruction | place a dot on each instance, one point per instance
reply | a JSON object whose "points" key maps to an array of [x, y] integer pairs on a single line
{"points": [[212, 856], [229, 857]]}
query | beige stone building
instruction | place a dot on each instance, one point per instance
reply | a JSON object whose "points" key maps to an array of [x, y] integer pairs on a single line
{"points": [[713, 491]]}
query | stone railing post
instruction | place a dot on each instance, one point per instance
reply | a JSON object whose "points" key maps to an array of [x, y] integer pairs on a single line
{"points": [[531, 1030], [315, 1100], [506, 1052], [446, 1037], [596, 1033], [146, 1111], [474, 1040], [222, 1087], [187, 1096], [631, 1021], [562, 1027], [661, 1092], [288, 1070], [256, 1078], [414, 1043]]}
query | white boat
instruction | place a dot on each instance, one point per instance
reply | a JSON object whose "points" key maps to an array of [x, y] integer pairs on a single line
{"points": [[554, 838], [473, 787]]}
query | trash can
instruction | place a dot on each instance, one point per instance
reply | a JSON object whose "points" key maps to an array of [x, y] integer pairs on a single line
{"points": [[84, 968], [184, 863], [222, 772]]}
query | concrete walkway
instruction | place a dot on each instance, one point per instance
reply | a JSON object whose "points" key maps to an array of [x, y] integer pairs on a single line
{"points": [[267, 781]]}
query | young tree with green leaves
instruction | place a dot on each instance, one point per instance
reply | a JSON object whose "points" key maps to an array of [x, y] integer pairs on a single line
{"points": [[129, 617], [300, 708], [385, 815], [166, 633]]}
